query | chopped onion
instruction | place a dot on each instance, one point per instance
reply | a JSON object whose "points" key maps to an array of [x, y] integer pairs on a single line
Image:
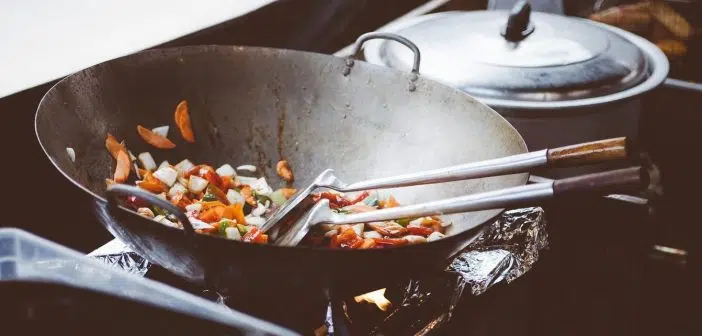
{"points": [[414, 239], [246, 180], [435, 236], [261, 186], [331, 233], [416, 223], [167, 175], [161, 130], [277, 197], [235, 197], [260, 210], [255, 221], [197, 183], [358, 228], [233, 233], [225, 170], [372, 234], [250, 168], [176, 189], [71, 154], [184, 166], [193, 207], [146, 212], [164, 164], [166, 222], [131, 155], [147, 161], [198, 224]]}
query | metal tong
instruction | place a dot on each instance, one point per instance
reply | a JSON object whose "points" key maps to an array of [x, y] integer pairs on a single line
{"points": [[295, 217]]}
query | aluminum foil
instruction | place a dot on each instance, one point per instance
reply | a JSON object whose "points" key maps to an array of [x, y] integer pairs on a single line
{"points": [[505, 250], [117, 254]]}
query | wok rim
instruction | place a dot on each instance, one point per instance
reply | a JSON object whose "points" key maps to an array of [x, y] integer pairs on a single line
{"points": [[448, 240]]}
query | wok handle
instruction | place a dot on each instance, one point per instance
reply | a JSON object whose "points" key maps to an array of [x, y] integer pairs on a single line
{"points": [[116, 190], [580, 154], [388, 36], [596, 184], [590, 152]]}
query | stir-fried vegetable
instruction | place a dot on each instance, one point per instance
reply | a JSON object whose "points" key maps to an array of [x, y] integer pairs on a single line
{"points": [[221, 203]]}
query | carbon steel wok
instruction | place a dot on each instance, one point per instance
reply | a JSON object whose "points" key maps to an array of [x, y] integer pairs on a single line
{"points": [[259, 105]]}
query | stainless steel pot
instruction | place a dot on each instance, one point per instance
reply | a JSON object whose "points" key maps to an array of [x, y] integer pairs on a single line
{"points": [[557, 79]]}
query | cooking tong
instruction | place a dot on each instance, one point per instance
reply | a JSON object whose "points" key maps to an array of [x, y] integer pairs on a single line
{"points": [[293, 215]]}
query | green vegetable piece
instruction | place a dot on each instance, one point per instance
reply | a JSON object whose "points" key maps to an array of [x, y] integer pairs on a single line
{"points": [[277, 197], [159, 211], [223, 225], [209, 197], [403, 221], [243, 229]]}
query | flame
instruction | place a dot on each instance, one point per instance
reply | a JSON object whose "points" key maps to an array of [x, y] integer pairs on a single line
{"points": [[377, 297]]}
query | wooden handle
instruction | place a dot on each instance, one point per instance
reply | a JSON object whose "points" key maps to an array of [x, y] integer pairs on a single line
{"points": [[589, 153], [614, 181]]}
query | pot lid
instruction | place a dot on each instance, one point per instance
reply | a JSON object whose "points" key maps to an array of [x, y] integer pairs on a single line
{"points": [[518, 55]]}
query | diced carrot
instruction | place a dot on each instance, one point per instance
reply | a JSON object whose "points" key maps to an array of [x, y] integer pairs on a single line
{"points": [[113, 146], [154, 139], [391, 202], [227, 182], [182, 119], [122, 167], [235, 212], [154, 186], [212, 215]]}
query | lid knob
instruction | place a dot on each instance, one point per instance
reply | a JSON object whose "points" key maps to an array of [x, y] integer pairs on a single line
{"points": [[518, 25]]}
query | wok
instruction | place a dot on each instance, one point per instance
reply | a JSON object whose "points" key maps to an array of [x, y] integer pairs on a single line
{"points": [[259, 105]]}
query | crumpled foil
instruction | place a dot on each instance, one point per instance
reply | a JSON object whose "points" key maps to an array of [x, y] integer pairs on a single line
{"points": [[504, 250], [117, 254]]}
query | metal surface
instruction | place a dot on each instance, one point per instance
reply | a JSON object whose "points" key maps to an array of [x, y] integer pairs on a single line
{"points": [[321, 213], [519, 163], [258, 105], [566, 62]]}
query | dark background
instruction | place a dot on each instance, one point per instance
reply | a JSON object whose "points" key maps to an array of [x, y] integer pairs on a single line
{"points": [[597, 277]]}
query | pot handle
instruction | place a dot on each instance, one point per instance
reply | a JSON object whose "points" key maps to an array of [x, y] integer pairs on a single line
{"points": [[384, 36], [116, 190]]}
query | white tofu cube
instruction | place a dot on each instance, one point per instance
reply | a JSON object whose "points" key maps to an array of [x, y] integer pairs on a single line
{"points": [[233, 233], [176, 189], [184, 166], [164, 164], [235, 197], [413, 239]]}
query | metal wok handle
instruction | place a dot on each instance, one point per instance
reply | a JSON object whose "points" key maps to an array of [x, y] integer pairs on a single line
{"points": [[116, 190], [388, 36]]}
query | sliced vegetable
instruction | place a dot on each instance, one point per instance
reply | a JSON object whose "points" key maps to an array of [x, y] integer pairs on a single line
{"points": [[255, 221], [197, 184], [184, 166], [182, 119], [419, 230], [235, 212], [146, 212], [277, 197], [235, 197], [113, 146], [167, 175], [71, 154], [259, 210], [154, 139], [232, 233], [226, 170], [249, 168], [217, 194], [284, 171], [164, 164], [390, 229], [161, 130], [243, 229], [147, 161], [246, 180], [122, 167], [435, 236], [412, 239]]}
